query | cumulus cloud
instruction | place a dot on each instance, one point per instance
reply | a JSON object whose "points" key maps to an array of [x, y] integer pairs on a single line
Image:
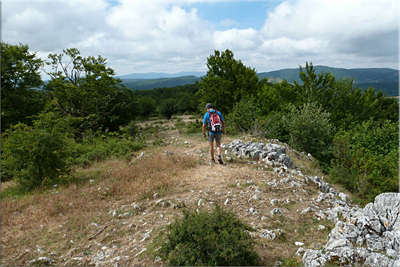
{"points": [[235, 39], [164, 36], [50, 26], [365, 29]]}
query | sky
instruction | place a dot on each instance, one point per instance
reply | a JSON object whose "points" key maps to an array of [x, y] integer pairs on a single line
{"points": [[172, 37]]}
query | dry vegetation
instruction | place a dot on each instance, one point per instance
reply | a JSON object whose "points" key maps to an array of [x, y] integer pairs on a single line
{"points": [[56, 217], [76, 220]]}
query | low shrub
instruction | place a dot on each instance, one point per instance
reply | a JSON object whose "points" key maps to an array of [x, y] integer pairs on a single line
{"points": [[193, 127], [209, 239], [132, 129], [98, 149]]}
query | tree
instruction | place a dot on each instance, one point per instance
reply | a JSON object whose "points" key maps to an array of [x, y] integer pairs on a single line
{"points": [[37, 155], [310, 130], [347, 104], [276, 97], [20, 79], [146, 106], [227, 81], [168, 108], [85, 88]]}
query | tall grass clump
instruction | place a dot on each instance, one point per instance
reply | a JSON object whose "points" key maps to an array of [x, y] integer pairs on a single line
{"points": [[209, 239]]}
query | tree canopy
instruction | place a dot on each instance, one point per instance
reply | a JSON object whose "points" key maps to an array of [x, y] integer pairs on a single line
{"points": [[20, 79], [85, 88], [227, 81]]}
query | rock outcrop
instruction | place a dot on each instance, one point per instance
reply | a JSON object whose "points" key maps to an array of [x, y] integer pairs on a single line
{"points": [[271, 154], [361, 237]]}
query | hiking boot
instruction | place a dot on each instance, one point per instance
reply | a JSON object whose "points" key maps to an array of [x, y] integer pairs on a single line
{"points": [[220, 160], [212, 161]]}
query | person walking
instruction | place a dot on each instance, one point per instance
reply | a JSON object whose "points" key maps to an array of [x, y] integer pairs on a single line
{"points": [[215, 123]]}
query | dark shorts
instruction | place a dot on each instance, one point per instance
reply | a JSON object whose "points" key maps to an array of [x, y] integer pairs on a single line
{"points": [[216, 136]]}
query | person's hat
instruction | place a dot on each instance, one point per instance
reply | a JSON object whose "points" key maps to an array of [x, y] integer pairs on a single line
{"points": [[209, 105]]}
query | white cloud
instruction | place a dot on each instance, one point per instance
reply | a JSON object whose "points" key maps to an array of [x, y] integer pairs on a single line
{"points": [[235, 39], [52, 26], [343, 28], [229, 22], [164, 36]]}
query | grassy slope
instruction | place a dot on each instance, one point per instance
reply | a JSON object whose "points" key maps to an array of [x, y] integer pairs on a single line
{"points": [[76, 223]]}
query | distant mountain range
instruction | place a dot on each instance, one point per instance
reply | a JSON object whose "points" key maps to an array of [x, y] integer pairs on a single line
{"points": [[147, 84], [384, 79], [157, 75]]}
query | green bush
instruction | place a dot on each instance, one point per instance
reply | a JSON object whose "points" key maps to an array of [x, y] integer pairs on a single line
{"points": [[210, 239], [310, 130], [180, 125], [132, 129], [193, 127], [366, 159], [37, 156], [97, 149], [244, 115], [274, 127], [168, 108]]}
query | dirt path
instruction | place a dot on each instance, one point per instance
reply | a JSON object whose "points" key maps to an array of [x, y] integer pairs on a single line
{"points": [[120, 232]]}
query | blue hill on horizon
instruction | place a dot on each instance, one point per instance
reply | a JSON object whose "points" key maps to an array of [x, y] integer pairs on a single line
{"points": [[385, 79]]}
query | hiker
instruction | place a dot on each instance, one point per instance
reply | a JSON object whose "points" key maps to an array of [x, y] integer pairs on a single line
{"points": [[215, 123]]}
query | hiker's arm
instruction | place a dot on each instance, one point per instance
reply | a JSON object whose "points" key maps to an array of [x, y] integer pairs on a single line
{"points": [[204, 130], [223, 127]]}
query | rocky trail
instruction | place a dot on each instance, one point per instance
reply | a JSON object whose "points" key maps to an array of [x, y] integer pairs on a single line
{"points": [[297, 218]]}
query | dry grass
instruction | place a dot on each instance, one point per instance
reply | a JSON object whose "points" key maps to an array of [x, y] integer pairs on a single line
{"points": [[60, 219], [52, 219]]}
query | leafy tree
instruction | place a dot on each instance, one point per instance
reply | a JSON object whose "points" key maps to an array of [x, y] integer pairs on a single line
{"points": [[168, 108], [315, 88], [310, 130], [146, 106], [124, 110], [245, 114], [20, 79], [227, 81], [348, 105], [185, 98], [37, 156], [186, 102], [85, 88], [276, 97]]}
